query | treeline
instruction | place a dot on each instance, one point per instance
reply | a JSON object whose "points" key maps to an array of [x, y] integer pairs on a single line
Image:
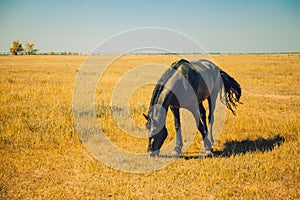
{"points": [[17, 48], [45, 53], [60, 53]]}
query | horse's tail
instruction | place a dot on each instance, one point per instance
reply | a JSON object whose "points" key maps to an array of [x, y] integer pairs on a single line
{"points": [[233, 91]]}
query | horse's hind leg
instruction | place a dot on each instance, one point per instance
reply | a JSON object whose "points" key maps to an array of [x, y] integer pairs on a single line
{"points": [[203, 129], [179, 144], [200, 117], [203, 117], [209, 140]]}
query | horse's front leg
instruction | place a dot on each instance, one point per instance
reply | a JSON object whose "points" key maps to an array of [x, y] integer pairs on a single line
{"points": [[179, 144]]}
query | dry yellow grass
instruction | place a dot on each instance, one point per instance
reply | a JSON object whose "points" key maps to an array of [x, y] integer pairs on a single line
{"points": [[42, 157]]}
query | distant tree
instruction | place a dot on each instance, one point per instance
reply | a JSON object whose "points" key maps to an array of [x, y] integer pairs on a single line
{"points": [[16, 47], [29, 48]]}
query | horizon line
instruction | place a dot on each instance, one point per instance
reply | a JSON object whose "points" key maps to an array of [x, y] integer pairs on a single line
{"points": [[147, 53]]}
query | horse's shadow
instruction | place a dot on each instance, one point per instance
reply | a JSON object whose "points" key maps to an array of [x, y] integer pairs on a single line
{"points": [[232, 148]]}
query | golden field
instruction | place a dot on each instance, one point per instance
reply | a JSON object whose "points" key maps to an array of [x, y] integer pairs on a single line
{"points": [[257, 154]]}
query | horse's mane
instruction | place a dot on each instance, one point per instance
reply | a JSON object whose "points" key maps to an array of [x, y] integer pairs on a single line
{"points": [[163, 80]]}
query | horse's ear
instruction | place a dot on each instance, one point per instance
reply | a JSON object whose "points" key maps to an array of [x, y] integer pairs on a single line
{"points": [[146, 117]]}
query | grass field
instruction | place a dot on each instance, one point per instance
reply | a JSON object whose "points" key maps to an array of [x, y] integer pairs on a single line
{"points": [[257, 155]]}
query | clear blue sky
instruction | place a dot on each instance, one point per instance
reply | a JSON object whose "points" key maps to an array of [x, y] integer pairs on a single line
{"points": [[225, 26]]}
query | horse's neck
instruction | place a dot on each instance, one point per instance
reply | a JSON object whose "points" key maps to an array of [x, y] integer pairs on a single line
{"points": [[161, 105], [164, 98]]}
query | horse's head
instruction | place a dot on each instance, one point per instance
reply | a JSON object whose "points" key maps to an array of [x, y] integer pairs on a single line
{"points": [[157, 133]]}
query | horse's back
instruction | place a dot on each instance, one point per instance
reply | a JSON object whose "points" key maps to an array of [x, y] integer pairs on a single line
{"points": [[209, 72], [202, 75], [204, 66]]}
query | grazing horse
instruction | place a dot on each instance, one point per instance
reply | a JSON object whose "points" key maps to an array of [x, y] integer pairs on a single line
{"points": [[186, 85]]}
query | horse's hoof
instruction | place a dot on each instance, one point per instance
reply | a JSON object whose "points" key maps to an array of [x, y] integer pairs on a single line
{"points": [[154, 153], [176, 153], [208, 154]]}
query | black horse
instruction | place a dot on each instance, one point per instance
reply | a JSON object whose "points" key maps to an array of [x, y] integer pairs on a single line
{"points": [[186, 85]]}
